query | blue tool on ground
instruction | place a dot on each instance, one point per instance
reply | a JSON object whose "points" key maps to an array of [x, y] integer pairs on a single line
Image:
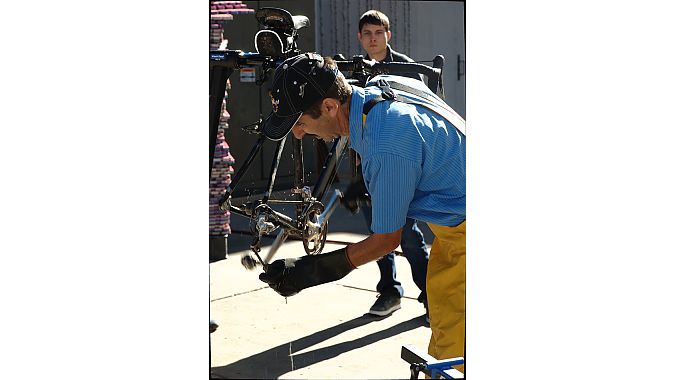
{"points": [[434, 368]]}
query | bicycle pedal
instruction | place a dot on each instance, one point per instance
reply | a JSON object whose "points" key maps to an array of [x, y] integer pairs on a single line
{"points": [[249, 262]]}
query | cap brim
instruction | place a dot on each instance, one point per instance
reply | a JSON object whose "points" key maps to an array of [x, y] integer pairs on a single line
{"points": [[276, 128]]}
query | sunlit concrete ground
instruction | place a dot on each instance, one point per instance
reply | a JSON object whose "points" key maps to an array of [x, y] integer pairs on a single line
{"points": [[324, 331]]}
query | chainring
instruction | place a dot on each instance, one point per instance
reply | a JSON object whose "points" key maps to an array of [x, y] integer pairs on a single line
{"points": [[313, 241]]}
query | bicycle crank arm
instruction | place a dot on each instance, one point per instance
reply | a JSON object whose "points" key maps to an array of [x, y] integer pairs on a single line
{"points": [[330, 207], [281, 237]]}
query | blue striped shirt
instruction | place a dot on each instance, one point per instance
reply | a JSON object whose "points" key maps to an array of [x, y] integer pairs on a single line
{"points": [[413, 161]]}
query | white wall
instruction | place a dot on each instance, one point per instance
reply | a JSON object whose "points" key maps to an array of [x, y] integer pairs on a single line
{"points": [[437, 27]]}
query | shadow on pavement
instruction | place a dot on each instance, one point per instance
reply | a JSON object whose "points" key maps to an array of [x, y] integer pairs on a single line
{"points": [[275, 362]]}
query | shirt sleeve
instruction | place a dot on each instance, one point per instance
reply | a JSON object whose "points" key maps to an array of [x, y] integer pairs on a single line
{"points": [[391, 180]]}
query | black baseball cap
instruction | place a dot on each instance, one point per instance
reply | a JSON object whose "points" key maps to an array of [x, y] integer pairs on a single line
{"points": [[299, 82]]}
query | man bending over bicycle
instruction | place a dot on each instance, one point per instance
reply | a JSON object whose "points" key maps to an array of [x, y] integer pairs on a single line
{"points": [[413, 163]]}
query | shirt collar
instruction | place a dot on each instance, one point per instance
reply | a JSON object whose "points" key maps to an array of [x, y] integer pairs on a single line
{"points": [[388, 57]]}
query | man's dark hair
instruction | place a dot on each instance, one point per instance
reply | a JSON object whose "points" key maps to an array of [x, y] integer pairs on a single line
{"points": [[374, 17], [339, 90]]}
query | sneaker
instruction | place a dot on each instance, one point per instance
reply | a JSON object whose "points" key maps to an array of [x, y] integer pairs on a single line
{"points": [[386, 304]]}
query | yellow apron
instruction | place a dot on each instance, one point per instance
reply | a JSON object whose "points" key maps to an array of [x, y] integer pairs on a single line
{"points": [[446, 292]]}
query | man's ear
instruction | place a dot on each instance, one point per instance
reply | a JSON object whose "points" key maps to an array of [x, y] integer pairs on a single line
{"points": [[331, 106], [389, 35]]}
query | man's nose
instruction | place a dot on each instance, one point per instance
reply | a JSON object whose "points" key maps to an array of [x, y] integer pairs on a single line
{"points": [[298, 132]]}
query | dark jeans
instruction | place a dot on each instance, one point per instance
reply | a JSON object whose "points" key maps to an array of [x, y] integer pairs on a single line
{"points": [[415, 251]]}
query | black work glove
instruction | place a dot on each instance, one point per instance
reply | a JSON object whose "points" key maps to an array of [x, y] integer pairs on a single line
{"points": [[289, 276], [356, 194]]}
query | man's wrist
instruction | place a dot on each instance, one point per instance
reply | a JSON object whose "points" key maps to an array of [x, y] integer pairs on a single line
{"points": [[347, 257], [335, 264]]}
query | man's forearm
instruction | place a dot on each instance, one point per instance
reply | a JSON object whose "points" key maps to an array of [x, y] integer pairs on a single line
{"points": [[373, 247]]}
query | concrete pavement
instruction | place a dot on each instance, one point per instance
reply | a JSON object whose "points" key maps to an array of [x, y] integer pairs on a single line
{"points": [[322, 332]]}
